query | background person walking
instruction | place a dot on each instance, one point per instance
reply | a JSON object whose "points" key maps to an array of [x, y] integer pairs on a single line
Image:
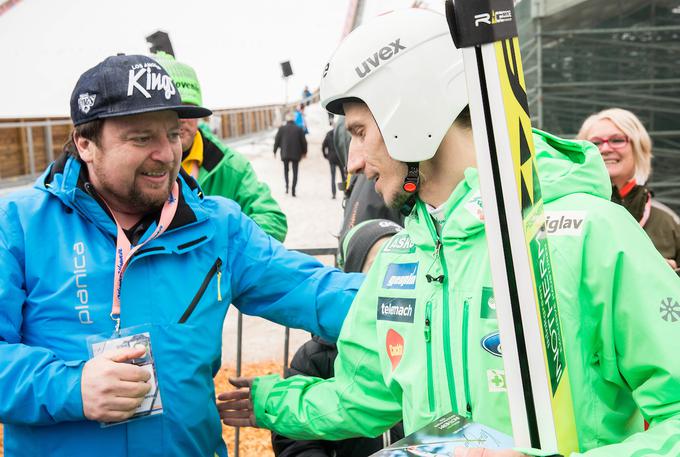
{"points": [[291, 139], [330, 154]]}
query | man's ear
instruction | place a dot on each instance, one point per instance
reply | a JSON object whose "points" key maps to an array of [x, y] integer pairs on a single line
{"points": [[86, 148]]}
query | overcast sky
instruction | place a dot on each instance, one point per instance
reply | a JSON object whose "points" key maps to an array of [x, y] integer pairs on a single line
{"points": [[235, 46]]}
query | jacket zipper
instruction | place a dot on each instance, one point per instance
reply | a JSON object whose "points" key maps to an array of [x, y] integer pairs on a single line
{"points": [[447, 331], [215, 269], [438, 253], [428, 346], [466, 384]]}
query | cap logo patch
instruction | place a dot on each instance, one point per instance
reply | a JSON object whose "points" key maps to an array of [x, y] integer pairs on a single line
{"points": [[143, 78], [86, 102], [395, 347], [382, 54]]}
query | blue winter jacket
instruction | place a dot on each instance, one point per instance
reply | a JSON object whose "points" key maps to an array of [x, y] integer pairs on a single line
{"points": [[56, 277]]}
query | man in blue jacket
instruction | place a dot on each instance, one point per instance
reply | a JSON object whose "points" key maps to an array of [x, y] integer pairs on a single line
{"points": [[114, 247]]}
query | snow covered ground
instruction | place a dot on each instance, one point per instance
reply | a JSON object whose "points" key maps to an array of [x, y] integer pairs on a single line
{"points": [[313, 222]]}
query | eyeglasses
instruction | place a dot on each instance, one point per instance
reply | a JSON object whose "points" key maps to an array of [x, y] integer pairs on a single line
{"points": [[614, 142]]}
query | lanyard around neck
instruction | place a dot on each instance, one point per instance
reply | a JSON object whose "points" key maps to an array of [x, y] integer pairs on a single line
{"points": [[125, 250]]}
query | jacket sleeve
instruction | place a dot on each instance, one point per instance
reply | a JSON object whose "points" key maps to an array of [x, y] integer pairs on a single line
{"points": [[303, 142], [286, 287], [277, 140], [36, 387], [312, 359], [325, 146], [356, 402], [639, 329]]}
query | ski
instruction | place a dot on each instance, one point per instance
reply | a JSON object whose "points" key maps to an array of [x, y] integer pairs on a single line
{"points": [[537, 377]]}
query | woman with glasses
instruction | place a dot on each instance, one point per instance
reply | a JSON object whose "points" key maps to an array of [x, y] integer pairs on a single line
{"points": [[627, 152]]}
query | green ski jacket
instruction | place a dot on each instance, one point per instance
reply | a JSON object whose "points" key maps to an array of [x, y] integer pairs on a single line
{"points": [[227, 173], [421, 337]]}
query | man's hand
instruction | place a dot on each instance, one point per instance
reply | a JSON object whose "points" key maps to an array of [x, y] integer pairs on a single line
{"points": [[236, 407], [113, 390], [479, 452]]}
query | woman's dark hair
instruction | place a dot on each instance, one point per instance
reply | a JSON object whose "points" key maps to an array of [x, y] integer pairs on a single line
{"points": [[90, 130]]}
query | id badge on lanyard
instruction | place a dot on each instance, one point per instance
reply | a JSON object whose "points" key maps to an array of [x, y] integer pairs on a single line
{"points": [[134, 338], [138, 336]]}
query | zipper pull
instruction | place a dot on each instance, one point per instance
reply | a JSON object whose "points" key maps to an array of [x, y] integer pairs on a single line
{"points": [[468, 411], [437, 248], [428, 323], [218, 264]]}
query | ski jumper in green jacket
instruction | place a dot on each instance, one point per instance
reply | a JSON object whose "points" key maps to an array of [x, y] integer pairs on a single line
{"points": [[227, 173], [421, 338]]}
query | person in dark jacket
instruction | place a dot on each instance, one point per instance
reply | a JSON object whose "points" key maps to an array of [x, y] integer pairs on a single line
{"points": [[316, 356], [329, 152], [291, 139], [627, 152]]}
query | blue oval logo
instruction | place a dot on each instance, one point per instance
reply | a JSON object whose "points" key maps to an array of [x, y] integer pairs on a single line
{"points": [[492, 344]]}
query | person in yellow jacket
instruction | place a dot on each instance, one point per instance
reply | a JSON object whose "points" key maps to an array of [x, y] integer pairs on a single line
{"points": [[217, 168], [421, 337]]}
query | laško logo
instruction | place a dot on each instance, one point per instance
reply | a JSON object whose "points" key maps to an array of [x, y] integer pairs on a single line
{"points": [[395, 347], [384, 53]]}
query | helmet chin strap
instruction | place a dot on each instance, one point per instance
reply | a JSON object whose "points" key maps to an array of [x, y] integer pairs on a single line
{"points": [[411, 186]]}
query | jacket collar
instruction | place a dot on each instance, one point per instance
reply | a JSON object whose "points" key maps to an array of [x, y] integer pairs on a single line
{"points": [[67, 179]]}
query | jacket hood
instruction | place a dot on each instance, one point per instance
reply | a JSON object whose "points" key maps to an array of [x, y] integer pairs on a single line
{"points": [[564, 167]]}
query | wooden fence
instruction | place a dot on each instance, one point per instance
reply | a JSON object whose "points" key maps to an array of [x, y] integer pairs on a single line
{"points": [[28, 145]]}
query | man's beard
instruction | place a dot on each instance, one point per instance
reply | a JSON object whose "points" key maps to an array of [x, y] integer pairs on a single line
{"points": [[399, 198], [135, 200], [146, 202]]}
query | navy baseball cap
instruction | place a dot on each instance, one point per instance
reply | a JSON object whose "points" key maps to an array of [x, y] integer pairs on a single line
{"points": [[124, 85]]}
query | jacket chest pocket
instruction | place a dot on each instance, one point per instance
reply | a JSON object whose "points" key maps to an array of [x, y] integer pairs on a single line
{"points": [[213, 275]]}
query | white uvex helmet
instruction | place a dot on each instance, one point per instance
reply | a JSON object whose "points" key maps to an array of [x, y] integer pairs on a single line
{"points": [[404, 66]]}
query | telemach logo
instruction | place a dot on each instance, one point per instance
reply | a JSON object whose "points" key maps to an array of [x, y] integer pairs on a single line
{"points": [[374, 61], [396, 309]]}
